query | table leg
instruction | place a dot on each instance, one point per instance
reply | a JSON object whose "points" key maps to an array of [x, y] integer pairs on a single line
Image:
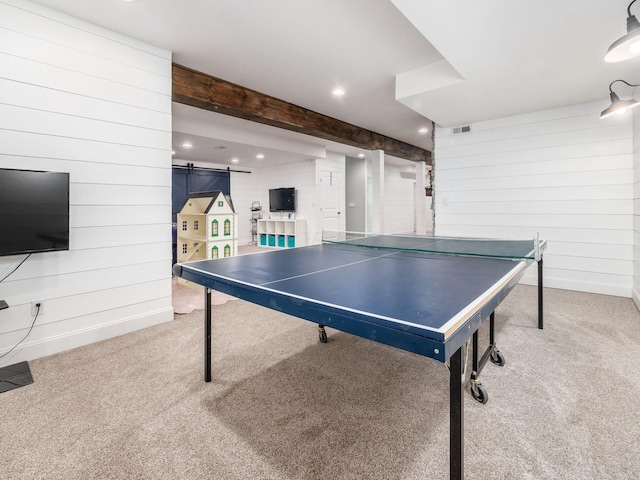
{"points": [[207, 335], [540, 308], [456, 417]]}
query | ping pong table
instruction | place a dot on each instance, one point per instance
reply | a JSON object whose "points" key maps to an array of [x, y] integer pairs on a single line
{"points": [[426, 295]]}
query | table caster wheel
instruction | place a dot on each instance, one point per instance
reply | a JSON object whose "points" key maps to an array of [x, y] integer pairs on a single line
{"points": [[497, 358], [322, 334], [479, 393]]}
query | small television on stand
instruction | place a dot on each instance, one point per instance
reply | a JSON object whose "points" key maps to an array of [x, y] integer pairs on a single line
{"points": [[282, 199]]}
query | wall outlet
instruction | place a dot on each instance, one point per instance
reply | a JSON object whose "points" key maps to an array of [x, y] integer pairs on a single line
{"points": [[34, 308]]}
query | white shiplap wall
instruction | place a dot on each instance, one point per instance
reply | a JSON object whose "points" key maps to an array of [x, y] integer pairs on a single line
{"points": [[636, 206], [563, 173], [84, 100], [399, 208], [300, 175], [243, 193], [246, 188]]}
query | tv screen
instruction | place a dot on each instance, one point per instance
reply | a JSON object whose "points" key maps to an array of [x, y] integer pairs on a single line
{"points": [[34, 211], [282, 200]]}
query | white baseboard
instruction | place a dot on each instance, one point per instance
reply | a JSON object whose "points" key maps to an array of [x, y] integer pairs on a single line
{"points": [[587, 287], [78, 338]]}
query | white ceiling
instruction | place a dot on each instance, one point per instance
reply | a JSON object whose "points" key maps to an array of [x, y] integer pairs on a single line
{"points": [[402, 63]]}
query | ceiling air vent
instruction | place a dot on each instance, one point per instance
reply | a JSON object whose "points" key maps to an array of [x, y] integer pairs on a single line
{"points": [[462, 129]]}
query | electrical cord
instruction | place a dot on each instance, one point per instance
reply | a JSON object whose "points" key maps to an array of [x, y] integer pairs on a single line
{"points": [[28, 333], [19, 265], [464, 365], [32, 323]]}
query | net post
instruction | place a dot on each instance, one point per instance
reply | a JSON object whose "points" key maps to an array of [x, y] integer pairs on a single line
{"points": [[540, 297], [540, 287], [207, 334]]}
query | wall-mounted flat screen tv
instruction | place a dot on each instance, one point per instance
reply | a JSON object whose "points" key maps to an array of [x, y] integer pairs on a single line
{"points": [[34, 211], [282, 199]]}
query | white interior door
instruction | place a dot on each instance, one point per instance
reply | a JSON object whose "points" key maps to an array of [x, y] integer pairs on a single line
{"points": [[330, 200]]}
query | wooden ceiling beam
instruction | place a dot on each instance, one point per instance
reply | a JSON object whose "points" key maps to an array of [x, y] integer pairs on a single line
{"points": [[198, 89]]}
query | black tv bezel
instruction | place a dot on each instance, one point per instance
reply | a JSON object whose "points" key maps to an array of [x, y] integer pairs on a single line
{"points": [[64, 246], [281, 191]]}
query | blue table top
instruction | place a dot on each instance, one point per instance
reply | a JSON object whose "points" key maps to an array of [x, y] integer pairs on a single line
{"points": [[424, 294]]}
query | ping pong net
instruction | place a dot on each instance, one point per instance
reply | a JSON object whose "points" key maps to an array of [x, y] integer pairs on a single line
{"points": [[478, 247]]}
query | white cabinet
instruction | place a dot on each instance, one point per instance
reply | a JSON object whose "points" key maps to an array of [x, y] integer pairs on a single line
{"points": [[282, 233]]}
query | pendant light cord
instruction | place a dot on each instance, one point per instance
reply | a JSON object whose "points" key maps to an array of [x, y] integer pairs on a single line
{"points": [[623, 81]]}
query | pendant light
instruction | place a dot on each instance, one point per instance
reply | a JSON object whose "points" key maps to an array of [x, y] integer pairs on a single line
{"points": [[617, 105], [627, 46]]}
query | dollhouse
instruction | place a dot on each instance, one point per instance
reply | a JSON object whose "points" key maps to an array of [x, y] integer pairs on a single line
{"points": [[206, 227]]}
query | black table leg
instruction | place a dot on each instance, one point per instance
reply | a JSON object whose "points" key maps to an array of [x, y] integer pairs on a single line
{"points": [[540, 309], [207, 335], [456, 417]]}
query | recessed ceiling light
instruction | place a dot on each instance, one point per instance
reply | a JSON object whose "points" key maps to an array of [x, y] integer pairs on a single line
{"points": [[338, 92], [234, 160], [187, 145], [259, 156], [361, 155], [423, 130], [173, 152]]}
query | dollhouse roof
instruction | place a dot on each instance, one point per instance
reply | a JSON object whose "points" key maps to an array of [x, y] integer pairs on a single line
{"points": [[206, 202]]}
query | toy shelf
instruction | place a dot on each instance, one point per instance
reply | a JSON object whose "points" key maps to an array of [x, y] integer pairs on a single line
{"points": [[283, 233]]}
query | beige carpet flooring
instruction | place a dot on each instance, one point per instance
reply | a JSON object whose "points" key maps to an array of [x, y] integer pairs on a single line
{"points": [[283, 406], [189, 297]]}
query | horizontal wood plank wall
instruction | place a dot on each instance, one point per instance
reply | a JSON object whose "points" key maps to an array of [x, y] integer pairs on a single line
{"points": [[81, 99], [244, 191], [300, 175], [562, 173], [399, 208], [636, 205]]}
